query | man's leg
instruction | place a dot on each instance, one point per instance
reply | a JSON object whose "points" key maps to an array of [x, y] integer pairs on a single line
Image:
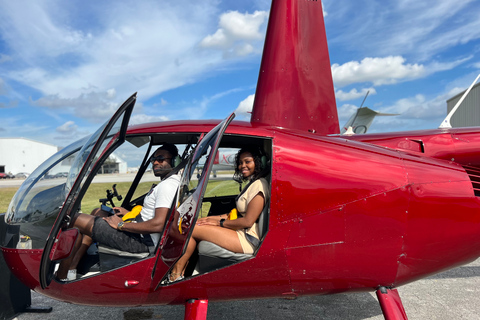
{"points": [[84, 222], [64, 266], [87, 241]]}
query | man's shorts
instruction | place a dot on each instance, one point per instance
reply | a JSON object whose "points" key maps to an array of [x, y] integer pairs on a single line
{"points": [[125, 241]]}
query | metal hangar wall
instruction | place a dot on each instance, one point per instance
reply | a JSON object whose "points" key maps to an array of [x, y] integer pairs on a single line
{"points": [[468, 114]]}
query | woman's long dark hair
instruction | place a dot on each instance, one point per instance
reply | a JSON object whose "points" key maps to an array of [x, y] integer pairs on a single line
{"points": [[257, 158]]}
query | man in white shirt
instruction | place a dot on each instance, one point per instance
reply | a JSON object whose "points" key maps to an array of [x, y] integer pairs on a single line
{"points": [[136, 237]]}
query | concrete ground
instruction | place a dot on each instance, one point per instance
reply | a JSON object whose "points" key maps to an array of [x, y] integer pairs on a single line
{"points": [[450, 295]]}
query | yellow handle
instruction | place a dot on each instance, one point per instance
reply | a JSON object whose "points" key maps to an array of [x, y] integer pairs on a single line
{"points": [[180, 225], [233, 214], [132, 214]]}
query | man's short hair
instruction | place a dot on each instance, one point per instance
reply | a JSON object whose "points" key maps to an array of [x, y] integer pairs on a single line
{"points": [[171, 148]]}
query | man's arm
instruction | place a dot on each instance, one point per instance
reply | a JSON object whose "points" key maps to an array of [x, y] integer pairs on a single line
{"points": [[151, 226]]}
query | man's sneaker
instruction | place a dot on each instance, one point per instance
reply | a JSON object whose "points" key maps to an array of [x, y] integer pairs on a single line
{"points": [[72, 275]]}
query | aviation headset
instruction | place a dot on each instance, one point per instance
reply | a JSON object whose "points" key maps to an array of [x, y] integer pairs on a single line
{"points": [[172, 149], [263, 158], [259, 153]]}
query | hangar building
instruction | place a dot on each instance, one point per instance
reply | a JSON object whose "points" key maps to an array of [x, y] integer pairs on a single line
{"points": [[468, 114], [23, 155]]}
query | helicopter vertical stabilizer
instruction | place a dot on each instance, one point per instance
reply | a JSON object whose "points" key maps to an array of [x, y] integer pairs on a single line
{"points": [[295, 87]]}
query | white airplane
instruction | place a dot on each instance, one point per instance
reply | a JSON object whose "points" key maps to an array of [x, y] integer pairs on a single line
{"points": [[361, 120]]}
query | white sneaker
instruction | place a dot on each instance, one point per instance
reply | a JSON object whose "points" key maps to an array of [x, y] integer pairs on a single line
{"points": [[72, 275]]}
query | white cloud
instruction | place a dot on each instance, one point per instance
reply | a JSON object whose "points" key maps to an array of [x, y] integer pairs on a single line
{"points": [[95, 106], [143, 118], [67, 128], [378, 71], [417, 29], [345, 111], [354, 94], [10, 104], [416, 113], [244, 108], [4, 58], [387, 70], [237, 33], [88, 70], [3, 89]]}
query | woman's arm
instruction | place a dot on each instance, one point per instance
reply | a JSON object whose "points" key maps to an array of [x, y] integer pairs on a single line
{"points": [[222, 216], [254, 209]]}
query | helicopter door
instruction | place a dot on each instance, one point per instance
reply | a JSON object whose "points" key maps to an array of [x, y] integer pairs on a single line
{"points": [[190, 194], [84, 167]]}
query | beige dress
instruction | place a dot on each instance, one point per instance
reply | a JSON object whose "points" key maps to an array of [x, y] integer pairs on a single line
{"points": [[259, 186]]}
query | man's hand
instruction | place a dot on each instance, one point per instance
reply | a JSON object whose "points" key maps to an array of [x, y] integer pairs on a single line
{"points": [[114, 220], [119, 211]]}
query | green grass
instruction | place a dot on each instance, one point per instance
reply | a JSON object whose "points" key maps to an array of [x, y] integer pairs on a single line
{"points": [[6, 195], [97, 191]]}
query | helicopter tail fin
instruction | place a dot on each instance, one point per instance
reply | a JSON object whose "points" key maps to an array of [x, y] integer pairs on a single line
{"points": [[295, 87]]}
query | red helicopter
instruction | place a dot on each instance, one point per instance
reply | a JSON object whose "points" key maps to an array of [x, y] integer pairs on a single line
{"points": [[359, 213]]}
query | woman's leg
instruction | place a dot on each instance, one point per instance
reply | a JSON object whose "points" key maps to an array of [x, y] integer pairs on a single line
{"points": [[179, 268], [224, 237]]}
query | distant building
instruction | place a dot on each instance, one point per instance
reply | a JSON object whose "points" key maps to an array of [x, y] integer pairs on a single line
{"points": [[23, 155], [114, 164], [468, 114]]}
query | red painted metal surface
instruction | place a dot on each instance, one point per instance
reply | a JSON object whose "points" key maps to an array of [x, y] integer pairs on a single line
{"points": [[460, 145], [196, 310], [391, 304], [335, 203], [64, 246], [295, 88], [346, 213]]}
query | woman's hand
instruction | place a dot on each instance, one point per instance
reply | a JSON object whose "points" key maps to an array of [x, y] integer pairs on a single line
{"points": [[207, 221]]}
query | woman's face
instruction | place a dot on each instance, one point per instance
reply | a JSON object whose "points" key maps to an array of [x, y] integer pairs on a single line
{"points": [[246, 164]]}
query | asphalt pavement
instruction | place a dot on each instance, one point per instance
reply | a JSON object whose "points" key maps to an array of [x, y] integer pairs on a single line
{"points": [[453, 294]]}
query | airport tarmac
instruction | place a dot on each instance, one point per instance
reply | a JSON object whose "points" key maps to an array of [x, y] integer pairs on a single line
{"points": [[454, 294]]}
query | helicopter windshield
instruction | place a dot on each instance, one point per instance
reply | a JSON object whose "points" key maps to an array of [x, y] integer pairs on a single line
{"points": [[37, 202]]}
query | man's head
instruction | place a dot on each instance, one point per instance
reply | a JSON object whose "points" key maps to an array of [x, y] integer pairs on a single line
{"points": [[162, 159]]}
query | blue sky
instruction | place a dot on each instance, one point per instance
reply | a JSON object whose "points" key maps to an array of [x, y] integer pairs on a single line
{"points": [[65, 66]]}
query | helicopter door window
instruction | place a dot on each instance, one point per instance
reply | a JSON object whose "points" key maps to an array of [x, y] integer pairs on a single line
{"points": [[219, 197]]}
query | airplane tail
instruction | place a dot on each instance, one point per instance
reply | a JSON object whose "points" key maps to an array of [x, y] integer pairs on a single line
{"points": [[361, 120], [295, 86]]}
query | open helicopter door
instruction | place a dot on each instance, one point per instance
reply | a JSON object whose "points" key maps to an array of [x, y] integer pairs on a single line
{"points": [[84, 167], [190, 194]]}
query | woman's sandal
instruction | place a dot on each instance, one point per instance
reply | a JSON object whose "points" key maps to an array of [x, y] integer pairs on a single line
{"points": [[177, 275]]}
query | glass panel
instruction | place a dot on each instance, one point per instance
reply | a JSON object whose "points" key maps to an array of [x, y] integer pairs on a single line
{"points": [[119, 169], [37, 202], [79, 162], [221, 181], [190, 194], [103, 141]]}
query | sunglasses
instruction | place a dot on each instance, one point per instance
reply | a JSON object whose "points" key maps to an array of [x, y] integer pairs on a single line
{"points": [[159, 159]]}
